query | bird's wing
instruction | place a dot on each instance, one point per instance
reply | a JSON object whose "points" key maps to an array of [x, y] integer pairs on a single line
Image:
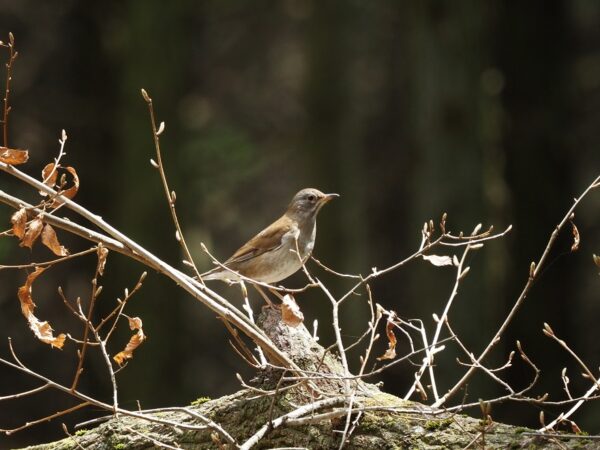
{"points": [[267, 240]]}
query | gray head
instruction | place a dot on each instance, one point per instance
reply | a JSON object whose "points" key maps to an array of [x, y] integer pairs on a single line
{"points": [[307, 203]]}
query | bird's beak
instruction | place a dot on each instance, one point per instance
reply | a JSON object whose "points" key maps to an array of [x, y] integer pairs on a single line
{"points": [[327, 197]]}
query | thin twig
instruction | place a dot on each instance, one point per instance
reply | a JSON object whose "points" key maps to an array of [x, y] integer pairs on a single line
{"points": [[66, 430], [46, 418], [49, 263], [26, 393], [11, 59], [154, 441], [88, 321], [171, 198], [373, 323], [299, 412], [534, 271], [119, 242], [92, 401], [564, 416], [428, 361], [118, 310]]}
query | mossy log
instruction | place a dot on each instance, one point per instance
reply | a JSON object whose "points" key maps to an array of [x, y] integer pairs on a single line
{"points": [[386, 421]]}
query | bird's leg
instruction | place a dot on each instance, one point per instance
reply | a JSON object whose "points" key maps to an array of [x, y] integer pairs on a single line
{"points": [[265, 296]]}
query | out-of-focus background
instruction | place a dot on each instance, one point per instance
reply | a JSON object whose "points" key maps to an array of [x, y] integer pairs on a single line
{"points": [[488, 111]]}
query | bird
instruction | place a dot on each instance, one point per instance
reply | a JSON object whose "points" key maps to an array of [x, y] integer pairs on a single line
{"points": [[272, 255]]}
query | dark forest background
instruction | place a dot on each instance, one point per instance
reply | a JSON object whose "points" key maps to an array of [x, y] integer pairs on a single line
{"points": [[489, 111]]}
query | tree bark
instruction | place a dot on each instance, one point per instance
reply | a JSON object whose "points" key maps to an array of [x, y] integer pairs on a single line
{"points": [[386, 421]]}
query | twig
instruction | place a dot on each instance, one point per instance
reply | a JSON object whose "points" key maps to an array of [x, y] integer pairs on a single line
{"points": [[330, 270], [202, 418], [154, 441], [49, 263], [562, 435], [88, 321], [299, 412], [92, 401], [425, 246], [550, 333], [61, 152], [46, 418], [373, 323], [534, 270], [11, 59], [429, 354], [66, 430], [171, 197], [348, 423], [119, 242], [26, 393], [564, 416], [118, 310]]}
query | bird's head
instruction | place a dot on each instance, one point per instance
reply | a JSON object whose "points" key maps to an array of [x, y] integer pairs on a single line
{"points": [[308, 202]]}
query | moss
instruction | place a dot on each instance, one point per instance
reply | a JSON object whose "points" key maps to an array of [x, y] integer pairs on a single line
{"points": [[435, 425], [81, 432], [119, 446], [520, 430], [200, 400]]}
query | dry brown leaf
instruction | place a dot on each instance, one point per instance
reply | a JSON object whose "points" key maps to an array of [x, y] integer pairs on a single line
{"points": [[32, 233], [19, 222], [41, 330], [13, 156], [596, 259], [70, 192], [290, 312], [50, 240], [24, 292], [439, 261], [102, 255], [49, 176], [576, 238], [390, 353], [135, 323]]}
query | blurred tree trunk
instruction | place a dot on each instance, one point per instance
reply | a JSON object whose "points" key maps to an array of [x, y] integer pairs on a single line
{"points": [[537, 111], [337, 102], [140, 204]]}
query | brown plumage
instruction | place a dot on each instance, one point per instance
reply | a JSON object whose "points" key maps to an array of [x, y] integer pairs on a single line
{"points": [[271, 255]]}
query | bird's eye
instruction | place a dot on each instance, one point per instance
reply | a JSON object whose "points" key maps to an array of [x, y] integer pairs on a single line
{"points": [[311, 198]]}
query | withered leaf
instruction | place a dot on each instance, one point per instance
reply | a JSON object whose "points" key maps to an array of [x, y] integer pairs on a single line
{"points": [[41, 330], [135, 323], [576, 237], [439, 260], [19, 222], [32, 233], [390, 353], [102, 255], [13, 156], [70, 192], [50, 240], [49, 176], [290, 312], [596, 259], [24, 292]]}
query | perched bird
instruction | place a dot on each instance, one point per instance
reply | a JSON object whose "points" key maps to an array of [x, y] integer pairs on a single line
{"points": [[271, 255]]}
